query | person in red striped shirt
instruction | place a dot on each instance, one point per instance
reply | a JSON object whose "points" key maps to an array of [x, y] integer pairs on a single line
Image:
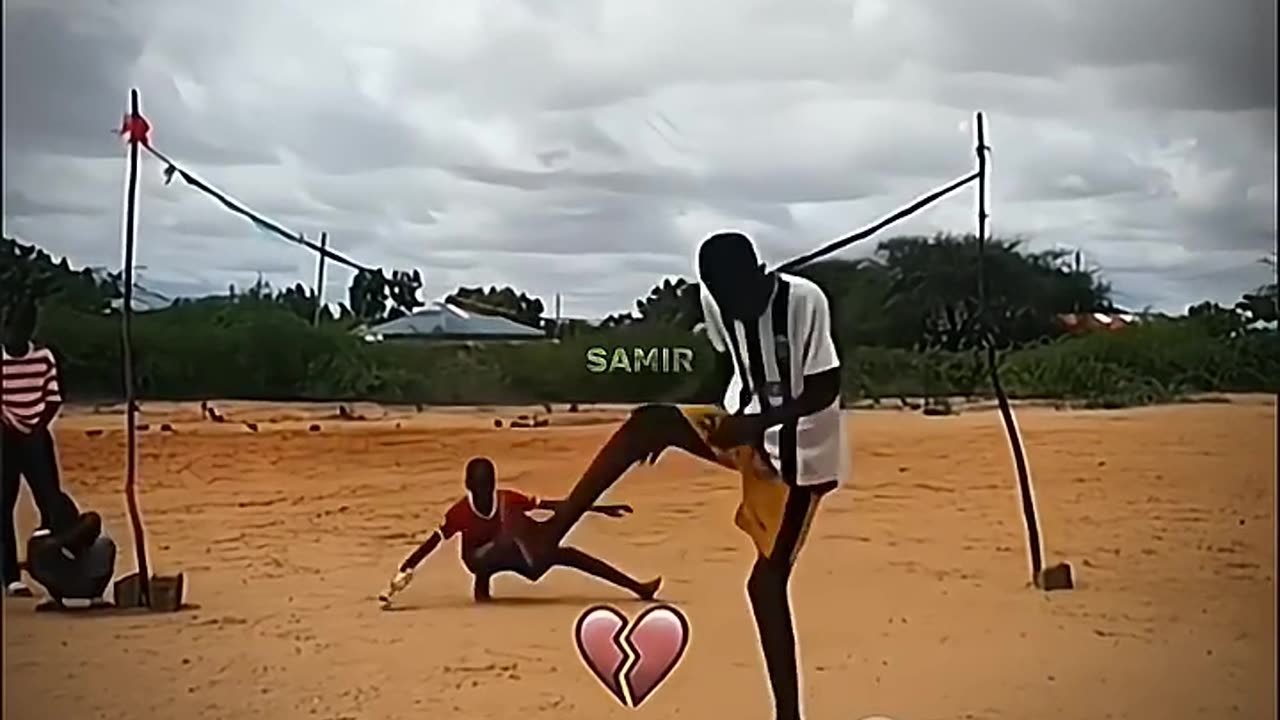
{"points": [[487, 519], [30, 397]]}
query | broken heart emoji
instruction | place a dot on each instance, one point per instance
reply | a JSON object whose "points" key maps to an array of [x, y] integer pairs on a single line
{"points": [[631, 659]]}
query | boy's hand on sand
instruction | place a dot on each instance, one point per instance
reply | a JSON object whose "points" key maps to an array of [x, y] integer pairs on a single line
{"points": [[397, 584], [616, 511], [401, 580]]}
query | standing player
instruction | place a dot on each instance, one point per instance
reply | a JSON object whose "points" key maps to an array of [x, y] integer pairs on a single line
{"points": [[779, 427], [30, 397], [488, 519]]}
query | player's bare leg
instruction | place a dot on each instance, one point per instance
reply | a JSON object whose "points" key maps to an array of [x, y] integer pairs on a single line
{"points": [[648, 431], [595, 567], [511, 561], [771, 607], [480, 590]]}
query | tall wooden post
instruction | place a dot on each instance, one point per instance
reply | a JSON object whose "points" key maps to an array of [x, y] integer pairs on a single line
{"points": [[126, 329], [1006, 411]]}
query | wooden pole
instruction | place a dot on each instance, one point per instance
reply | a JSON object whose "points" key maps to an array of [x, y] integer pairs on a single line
{"points": [[1006, 411], [126, 328], [324, 245]]}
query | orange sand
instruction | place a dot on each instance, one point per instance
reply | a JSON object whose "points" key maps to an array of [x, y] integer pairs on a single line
{"points": [[911, 596]]}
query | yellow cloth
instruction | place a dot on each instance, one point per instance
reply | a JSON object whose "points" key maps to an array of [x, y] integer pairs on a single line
{"points": [[763, 507]]}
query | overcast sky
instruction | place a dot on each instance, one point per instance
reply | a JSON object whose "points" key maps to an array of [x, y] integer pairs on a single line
{"points": [[585, 147]]}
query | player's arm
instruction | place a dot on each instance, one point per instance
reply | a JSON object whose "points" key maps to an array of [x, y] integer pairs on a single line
{"points": [[404, 575], [427, 547], [52, 392], [820, 365]]}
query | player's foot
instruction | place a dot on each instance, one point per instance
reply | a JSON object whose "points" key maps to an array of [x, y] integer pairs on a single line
{"points": [[17, 588], [647, 591]]}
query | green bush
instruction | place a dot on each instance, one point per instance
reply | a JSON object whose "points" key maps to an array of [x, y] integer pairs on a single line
{"points": [[259, 350]]}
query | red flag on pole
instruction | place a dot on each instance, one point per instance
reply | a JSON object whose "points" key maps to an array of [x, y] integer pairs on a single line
{"points": [[135, 129]]}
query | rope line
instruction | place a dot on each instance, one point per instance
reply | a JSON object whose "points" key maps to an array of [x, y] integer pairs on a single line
{"points": [[297, 238], [837, 245]]}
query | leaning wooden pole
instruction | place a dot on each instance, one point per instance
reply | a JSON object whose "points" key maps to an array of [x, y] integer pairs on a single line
{"points": [[1006, 411], [126, 329]]}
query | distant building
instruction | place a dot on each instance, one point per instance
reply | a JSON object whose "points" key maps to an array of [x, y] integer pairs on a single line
{"points": [[1095, 321], [439, 322]]}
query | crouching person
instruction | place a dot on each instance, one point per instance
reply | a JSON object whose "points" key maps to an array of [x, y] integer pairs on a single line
{"points": [[73, 559]]}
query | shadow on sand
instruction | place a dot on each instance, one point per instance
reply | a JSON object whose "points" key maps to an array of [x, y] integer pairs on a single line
{"points": [[101, 610], [529, 602]]}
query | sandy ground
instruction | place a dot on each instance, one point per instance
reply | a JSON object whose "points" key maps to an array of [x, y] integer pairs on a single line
{"points": [[911, 596]]}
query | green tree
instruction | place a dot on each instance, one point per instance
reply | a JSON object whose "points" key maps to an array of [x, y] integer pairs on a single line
{"points": [[1263, 304], [299, 300], [1218, 321], [933, 296], [28, 271], [367, 296], [858, 291], [671, 302], [503, 302], [402, 292]]}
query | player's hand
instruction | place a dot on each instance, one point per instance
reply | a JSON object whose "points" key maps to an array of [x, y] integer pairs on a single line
{"points": [[616, 511], [737, 431], [401, 581], [397, 584]]}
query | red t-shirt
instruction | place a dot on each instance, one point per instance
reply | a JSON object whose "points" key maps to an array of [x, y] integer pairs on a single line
{"points": [[478, 530]]}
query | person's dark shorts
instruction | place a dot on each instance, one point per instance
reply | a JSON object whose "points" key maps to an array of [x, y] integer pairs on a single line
{"points": [[496, 557]]}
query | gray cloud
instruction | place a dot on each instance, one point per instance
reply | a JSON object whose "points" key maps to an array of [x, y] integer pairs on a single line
{"points": [[62, 75], [585, 148], [18, 204]]}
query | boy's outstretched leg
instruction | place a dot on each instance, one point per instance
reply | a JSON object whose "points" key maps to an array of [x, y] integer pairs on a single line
{"points": [[595, 567], [648, 431]]}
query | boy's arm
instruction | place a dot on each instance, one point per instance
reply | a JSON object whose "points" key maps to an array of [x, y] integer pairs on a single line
{"points": [[819, 392], [820, 365], [428, 546], [404, 574], [52, 393]]}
